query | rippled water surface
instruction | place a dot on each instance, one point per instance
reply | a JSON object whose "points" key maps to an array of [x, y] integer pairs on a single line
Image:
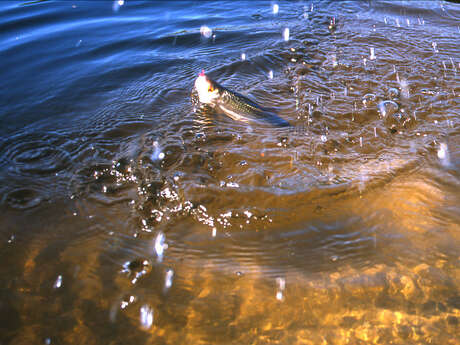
{"points": [[130, 217]]}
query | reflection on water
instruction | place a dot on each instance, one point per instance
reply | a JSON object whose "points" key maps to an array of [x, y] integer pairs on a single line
{"points": [[130, 217]]}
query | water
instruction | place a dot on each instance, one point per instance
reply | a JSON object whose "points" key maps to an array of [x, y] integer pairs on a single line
{"points": [[127, 217]]}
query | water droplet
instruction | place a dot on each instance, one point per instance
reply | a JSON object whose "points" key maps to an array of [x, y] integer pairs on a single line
{"points": [[323, 138], [270, 74], [126, 301], [117, 4], [214, 232], [157, 153], [243, 56], [168, 278], [276, 9], [11, 239], [281, 283], [404, 84], [58, 282], [286, 34], [332, 26], [372, 56], [159, 246], [146, 316], [232, 185], [78, 43], [205, 31], [435, 47]]}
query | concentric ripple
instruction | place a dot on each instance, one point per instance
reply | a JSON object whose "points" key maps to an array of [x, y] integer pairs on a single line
{"points": [[35, 155]]}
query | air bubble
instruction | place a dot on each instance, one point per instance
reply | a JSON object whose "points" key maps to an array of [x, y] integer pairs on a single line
{"points": [[387, 108]]}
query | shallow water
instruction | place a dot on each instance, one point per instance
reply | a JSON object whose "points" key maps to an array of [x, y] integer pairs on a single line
{"points": [[130, 217]]}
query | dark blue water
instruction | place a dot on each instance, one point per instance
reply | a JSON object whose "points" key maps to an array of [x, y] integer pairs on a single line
{"points": [[130, 216]]}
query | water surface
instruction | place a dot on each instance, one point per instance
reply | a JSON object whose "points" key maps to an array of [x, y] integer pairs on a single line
{"points": [[130, 217]]}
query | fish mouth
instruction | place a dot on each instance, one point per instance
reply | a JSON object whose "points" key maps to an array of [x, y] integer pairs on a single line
{"points": [[206, 89]]}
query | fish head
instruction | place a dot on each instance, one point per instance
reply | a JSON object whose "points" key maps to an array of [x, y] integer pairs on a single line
{"points": [[207, 89]]}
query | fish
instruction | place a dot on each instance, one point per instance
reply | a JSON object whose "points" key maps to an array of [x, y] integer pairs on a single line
{"points": [[234, 105]]}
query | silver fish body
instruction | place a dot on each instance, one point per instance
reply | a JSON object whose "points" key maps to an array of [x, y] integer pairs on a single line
{"points": [[239, 107]]}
